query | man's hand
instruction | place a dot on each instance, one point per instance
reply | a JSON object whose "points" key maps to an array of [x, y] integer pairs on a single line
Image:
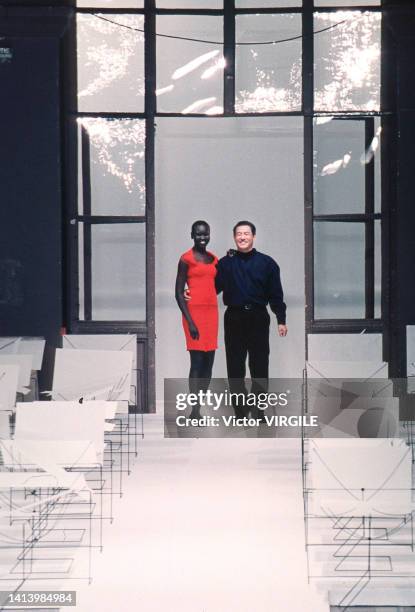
{"points": [[282, 330], [186, 294]]}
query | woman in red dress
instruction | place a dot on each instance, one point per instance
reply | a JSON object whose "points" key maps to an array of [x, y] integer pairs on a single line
{"points": [[197, 270]]}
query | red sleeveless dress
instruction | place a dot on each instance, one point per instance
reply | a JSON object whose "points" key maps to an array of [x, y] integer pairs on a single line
{"points": [[203, 305]]}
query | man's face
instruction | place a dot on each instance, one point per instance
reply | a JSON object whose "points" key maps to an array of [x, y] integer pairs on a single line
{"points": [[244, 238]]}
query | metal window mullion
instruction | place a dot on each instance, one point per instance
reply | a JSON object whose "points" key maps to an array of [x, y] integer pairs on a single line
{"points": [[369, 224], [335, 9], [106, 10], [308, 223], [110, 219], [307, 109], [388, 150], [347, 218], [87, 207], [229, 26], [150, 107], [70, 173], [109, 115]]}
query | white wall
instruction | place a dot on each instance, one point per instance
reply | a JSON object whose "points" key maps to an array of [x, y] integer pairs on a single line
{"points": [[224, 170]]}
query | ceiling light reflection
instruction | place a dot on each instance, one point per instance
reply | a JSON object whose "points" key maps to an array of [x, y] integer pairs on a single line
{"points": [[215, 110], [163, 90], [369, 154], [193, 65], [323, 120], [335, 166], [198, 105], [220, 65]]}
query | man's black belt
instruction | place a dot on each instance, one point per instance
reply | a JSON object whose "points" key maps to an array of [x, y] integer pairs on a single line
{"points": [[248, 307]]}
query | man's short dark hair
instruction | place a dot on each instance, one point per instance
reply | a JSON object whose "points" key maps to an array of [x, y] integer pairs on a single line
{"points": [[199, 222], [251, 225]]}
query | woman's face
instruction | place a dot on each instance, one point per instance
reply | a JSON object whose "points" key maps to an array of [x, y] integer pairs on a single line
{"points": [[201, 236]]}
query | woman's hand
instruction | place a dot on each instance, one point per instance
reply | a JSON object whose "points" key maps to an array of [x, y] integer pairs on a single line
{"points": [[194, 332]]}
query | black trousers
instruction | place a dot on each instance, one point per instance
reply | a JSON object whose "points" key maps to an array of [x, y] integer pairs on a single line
{"points": [[247, 335]]}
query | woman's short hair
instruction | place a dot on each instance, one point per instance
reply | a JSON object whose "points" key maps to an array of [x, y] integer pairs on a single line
{"points": [[199, 222]]}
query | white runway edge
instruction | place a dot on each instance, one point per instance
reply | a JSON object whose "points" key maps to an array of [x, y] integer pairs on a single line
{"points": [[206, 526]]}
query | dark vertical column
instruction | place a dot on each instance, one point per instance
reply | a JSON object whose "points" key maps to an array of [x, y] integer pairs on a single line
{"points": [[369, 225], [69, 106], [399, 177], [30, 174], [87, 229], [308, 105], [229, 55], [150, 110]]}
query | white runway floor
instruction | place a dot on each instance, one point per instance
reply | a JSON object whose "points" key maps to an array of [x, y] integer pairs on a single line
{"points": [[206, 526]]}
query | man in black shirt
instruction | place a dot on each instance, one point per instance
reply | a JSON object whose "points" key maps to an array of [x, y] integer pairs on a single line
{"points": [[249, 281]]}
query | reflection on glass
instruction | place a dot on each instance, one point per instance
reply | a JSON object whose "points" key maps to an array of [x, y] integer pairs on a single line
{"points": [[110, 3], [189, 73], [118, 272], [347, 61], [267, 3], [117, 165], [110, 62], [339, 270], [268, 76], [339, 175]]}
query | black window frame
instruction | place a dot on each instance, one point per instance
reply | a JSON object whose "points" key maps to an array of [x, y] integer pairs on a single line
{"points": [[146, 329]]}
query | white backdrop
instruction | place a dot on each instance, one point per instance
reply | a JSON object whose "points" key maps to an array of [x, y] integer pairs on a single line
{"points": [[223, 170]]}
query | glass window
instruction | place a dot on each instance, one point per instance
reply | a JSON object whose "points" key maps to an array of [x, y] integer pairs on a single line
{"points": [[117, 170], [339, 270], [347, 61], [339, 166], [189, 73], [118, 272], [268, 76], [110, 63]]}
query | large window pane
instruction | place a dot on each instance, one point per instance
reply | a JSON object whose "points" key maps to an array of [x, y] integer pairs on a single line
{"points": [[189, 73], [339, 166], [268, 76], [110, 63], [118, 272], [347, 61], [117, 170], [339, 270]]}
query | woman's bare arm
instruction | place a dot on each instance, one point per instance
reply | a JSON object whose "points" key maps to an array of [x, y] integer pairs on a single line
{"points": [[181, 280]]}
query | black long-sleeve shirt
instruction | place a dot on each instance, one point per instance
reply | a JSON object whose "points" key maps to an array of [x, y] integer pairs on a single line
{"points": [[251, 278]]}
